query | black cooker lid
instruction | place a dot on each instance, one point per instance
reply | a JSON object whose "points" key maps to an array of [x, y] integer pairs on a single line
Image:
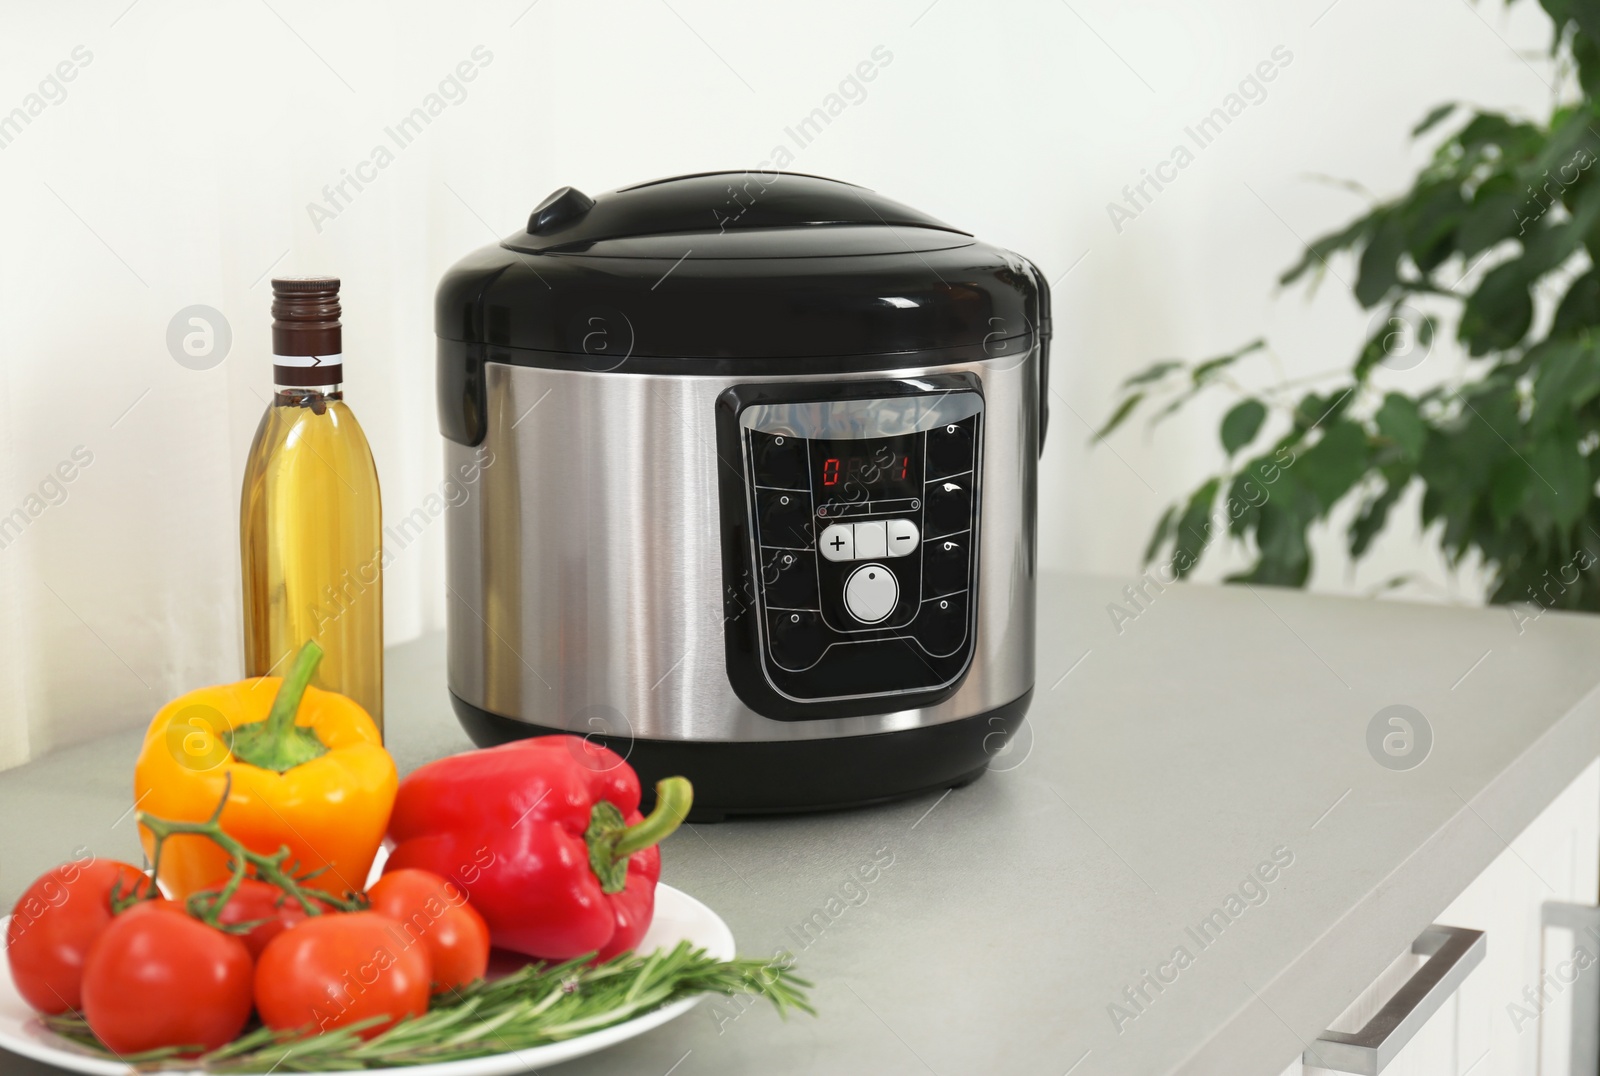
{"points": [[722, 266]]}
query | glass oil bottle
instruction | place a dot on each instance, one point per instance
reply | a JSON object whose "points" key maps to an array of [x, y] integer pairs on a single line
{"points": [[310, 519]]}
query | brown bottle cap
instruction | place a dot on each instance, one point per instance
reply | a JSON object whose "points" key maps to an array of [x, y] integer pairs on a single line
{"points": [[307, 341]]}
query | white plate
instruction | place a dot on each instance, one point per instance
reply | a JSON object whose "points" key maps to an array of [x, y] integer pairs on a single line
{"points": [[678, 917]]}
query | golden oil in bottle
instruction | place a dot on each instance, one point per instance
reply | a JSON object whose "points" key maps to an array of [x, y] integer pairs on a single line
{"points": [[310, 519]]}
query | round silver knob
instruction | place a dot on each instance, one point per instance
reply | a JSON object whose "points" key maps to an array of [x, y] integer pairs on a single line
{"points": [[871, 593]]}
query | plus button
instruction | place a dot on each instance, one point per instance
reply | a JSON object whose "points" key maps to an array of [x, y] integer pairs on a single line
{"points": [[838, 542]]}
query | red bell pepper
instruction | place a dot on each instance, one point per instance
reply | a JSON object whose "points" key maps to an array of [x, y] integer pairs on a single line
{"points": [[545, 838]]}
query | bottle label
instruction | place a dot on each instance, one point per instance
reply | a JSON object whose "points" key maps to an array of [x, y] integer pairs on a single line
{"points": [[308, 371], [307, 360]]}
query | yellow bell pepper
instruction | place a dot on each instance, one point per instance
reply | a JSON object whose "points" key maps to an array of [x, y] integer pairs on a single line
{"points": [[302, 767]]}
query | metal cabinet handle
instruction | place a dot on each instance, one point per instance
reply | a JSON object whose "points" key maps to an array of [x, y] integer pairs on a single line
{"points": [[1452, 952]]}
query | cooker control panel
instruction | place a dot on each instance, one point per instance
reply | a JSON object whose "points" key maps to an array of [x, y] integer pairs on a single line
{"points": [[858, 524]]}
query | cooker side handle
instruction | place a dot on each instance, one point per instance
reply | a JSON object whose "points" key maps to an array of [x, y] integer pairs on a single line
{"points": [[462, 335], [1042, 290]]}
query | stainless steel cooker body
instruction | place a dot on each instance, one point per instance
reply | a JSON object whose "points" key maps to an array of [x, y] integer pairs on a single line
{"points": [[587, 590]]}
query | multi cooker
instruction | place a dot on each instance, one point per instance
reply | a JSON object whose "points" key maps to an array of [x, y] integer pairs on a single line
{"points": [[755, 460]]}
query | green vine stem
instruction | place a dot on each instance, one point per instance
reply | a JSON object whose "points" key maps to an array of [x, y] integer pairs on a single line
{"points": [[274, 869]]}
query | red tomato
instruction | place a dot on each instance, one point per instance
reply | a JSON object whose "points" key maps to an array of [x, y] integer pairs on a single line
{"points": [[265, 904], [55, 924], [435, 912], [158, 978], [335, 970]]}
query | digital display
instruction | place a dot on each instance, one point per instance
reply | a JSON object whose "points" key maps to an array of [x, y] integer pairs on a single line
{"points": [[870, 469]]}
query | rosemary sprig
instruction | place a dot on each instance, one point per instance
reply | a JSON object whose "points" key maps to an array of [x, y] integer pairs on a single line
{"points": [[539, 1004]]}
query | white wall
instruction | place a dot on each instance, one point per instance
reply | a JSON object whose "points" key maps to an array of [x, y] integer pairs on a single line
{"points": [[179, 166]]}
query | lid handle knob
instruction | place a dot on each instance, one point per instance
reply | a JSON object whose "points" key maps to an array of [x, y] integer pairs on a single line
{"points": [[565, 205]]}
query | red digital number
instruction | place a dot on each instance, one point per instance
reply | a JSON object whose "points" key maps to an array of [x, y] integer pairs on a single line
{"points": [[905, 465], [830, 472]]}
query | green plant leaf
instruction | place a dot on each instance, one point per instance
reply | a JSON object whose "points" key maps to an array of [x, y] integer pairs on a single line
{"points": [[1241, 424], [1203, 374], [1246, 494], [1431, 217], [1568, 378], [1373, 515], [1317, 254], [1586, 51], [1545, 248], [1124, 409], [1568, 133], [1508, 489], [1335, 463], [1560, 476], [1580, 306], [1284, 556], [1380, 262], [1264, 478], [1205, 371], [1433, 118], [1488, 428], [1459, 459], [1195, 529], [1497, 214], [1388, 333], [1154, 372], [1162, 532], [1314, 409], [1487, 128], [1400, 421], [1498, 314]]}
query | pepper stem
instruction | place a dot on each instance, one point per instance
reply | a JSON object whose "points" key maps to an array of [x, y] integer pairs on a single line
{"points": [[674, 795], [278, 743], [280, 719], [611, 841]]}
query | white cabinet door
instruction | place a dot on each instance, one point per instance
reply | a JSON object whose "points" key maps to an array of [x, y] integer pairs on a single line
{"points": [[1513, 1015], [1556, 858]]}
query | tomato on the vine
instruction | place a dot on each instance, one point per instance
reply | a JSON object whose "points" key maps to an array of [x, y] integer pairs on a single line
{"points": [[434, 912], [55, 924], [158, 978], [332, 971], [269, 907]]}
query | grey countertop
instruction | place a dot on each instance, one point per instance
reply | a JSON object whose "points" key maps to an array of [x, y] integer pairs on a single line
{"points": [[1166, 756]]}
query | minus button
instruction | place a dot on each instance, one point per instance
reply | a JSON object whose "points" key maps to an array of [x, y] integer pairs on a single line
{"points": [[903, 537]]}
